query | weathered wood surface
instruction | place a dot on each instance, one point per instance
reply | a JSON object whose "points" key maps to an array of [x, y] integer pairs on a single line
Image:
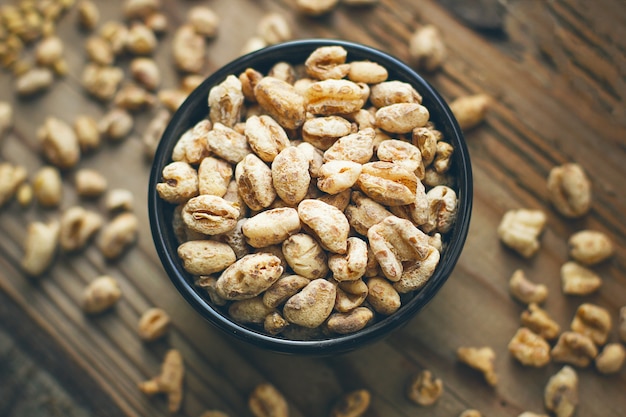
{"points": [[558, 73]]}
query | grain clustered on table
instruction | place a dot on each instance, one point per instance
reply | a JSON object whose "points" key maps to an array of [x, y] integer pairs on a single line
{"points": [[532, 322]]}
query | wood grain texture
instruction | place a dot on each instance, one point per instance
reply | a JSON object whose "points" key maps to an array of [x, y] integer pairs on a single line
{"points": [[558, 75]]}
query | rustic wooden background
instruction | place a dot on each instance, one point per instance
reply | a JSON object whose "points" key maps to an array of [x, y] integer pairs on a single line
{"points": [[558, 74]]}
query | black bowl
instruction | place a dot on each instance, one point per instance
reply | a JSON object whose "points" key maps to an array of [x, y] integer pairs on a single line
{"points": [[195, 108]]}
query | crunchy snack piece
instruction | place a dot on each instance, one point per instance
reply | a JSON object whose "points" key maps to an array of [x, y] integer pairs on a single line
{"points": [[332, 97], [529, 348], [417, 274], [205, 257], [540, 322], [395, 241], [338, 176], [40, 247], [481, 359], [59, 143], [611, 359], [90, 183], [283, 289], [327, 222], [423, 389], [350, 321], [99, 50], [34, 81], [271, 227], [305, 256], [578, 280], [401, 117], [402, 153], [101, 294], [180, 182], [153, 324], [327, 62], [134, 97], [575, 349], [426, 48], [146, 72], [87, 133], [273, 28], [249, 276], [275, 323], [210, 214], [141, 40], [592, 321], [77, 227], [290, 175], [382, 296], [281, 101], [526, 291], [569, 190], [204, 20], [254, 180], [226, 101], [265, 136], [250, 310], [11, 177], [426, 140], [520, 230], [100, 81], [363, 213], [88, 14], [208, 284], [227, 143], [169, 381], [118, 199], [393, 92], [322, 132], [24, 194], [49, 50], [388, 183], [154, 131], [266, 401], [470, 111], [351, 265], [440, 206], [140, 9], [367, 72], [188, 49], [357, 147], [118, 234], [350, 295], [48, 186], [590, 247], [253, 44], [312, 305], [315, 7], [352, 404], [116, 33], [116, 124], [283, 71], [561, 392]]}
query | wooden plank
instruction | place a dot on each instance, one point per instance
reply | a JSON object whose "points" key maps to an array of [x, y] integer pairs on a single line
{"points": [[558, 82]]}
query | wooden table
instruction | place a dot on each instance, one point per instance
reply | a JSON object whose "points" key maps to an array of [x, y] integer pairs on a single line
{"points": [[558, 75]]}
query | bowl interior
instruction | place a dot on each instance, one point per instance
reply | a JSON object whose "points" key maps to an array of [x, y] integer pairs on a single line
{"points": [[195, 108]]}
